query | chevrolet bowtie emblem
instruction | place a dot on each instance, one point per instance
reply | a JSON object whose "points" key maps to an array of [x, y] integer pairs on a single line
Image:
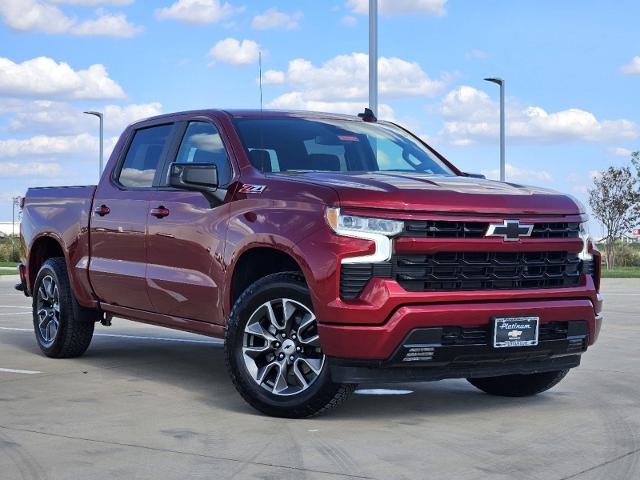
{"points": [[509, 230]]}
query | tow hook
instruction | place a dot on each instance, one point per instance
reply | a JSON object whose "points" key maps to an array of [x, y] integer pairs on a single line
{"points": [[106, 320]]}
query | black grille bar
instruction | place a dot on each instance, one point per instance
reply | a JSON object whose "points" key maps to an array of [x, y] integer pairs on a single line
{"points": [[481, 335], [467, 271], [460, 229], [486, 270]]}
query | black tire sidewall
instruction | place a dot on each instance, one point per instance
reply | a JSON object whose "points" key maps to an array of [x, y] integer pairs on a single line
{"points": [[66, 308], [257, 296]]}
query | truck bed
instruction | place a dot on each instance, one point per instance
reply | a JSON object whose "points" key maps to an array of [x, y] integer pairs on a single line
{"points": [[62, 213]]}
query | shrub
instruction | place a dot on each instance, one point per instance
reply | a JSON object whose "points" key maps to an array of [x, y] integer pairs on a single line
{"points": [[626, 255], [9, 253]]}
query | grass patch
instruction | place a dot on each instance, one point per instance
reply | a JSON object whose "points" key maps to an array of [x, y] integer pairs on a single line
{"points": [[621, 272], [8, 264], [8, 272]]}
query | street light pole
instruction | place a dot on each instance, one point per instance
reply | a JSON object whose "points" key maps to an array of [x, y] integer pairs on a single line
{"points": [[101, 118], [373, 56], [500, 82], [15, 201]]}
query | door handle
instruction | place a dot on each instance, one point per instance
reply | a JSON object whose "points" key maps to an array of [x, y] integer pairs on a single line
{"points": [[160, 212], [102, 210]]}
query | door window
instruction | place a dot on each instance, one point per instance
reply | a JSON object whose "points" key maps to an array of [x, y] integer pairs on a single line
{"points": [[145, 151], [202, 144]]}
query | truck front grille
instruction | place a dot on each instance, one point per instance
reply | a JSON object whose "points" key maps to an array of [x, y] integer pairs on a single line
{"points": [[460, 229], [486, 270], [467, 271]]}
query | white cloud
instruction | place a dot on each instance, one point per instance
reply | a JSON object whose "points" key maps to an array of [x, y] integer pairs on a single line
{"points": [[633, 67], [48, 145], [476, 55], [273, 77], [107, 25], [33, 15], [30, 169], [197, 12], [401, 7], [345, 78], [620, 152], [43, 16], [59, 118], [298, 101], [274, 18], [349, 21], [235, 52], [517, 174], [43, 76], [471, 116], [93, 3]]}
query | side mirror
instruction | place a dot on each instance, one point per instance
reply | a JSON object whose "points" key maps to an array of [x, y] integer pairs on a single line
{"points": [[202, 177], [474, 175]]}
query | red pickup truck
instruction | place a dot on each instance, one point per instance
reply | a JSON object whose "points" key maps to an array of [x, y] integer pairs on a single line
{"points": [[327, 250]]}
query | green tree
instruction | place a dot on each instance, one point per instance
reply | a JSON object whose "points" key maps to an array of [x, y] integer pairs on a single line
{"points": [[615, 202]]}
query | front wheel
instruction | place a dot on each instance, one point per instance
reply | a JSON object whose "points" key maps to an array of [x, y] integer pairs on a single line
{"points": [[519, 385], [273, 353]]}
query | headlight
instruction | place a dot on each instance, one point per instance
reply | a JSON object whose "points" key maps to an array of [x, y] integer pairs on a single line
{"points": [[349, 224], [378, 230], [586, 240]]}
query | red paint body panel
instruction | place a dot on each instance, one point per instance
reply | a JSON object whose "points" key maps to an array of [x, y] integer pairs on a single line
{"points": [[176, 270], [379, 343]]}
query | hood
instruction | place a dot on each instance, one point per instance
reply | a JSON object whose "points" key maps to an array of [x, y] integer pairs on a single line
{"points": [[448, 194]]}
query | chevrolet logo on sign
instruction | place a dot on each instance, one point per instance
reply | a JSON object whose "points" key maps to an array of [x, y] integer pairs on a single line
{"points": [[509, 230]]}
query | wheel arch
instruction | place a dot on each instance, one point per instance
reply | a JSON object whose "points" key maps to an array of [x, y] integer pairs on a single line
{"points": [[256, 262], [43, 248]]}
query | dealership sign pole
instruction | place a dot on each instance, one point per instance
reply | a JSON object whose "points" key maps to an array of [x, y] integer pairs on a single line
{"points": [[373, 56]]}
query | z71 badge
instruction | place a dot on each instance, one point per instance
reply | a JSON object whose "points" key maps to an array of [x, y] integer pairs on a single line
{"points": [[246, 188]]}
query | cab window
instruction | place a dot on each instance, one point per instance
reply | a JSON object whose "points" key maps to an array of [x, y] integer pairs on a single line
{"points": [[202, 144], [139, 166]]}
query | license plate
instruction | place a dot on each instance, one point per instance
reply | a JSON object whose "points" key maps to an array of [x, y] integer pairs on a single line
{"points": [[515, 332]]}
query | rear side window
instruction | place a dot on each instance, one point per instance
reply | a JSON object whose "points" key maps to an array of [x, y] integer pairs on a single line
{"points": [[202, 144], [143, 157]]}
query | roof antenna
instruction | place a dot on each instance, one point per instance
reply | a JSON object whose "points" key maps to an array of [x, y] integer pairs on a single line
{"points": [[368, 115], [260, 71], [262, 167]]}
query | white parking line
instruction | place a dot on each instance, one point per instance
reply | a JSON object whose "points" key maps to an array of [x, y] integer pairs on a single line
{"points": [[26, 372], [382, 391], [133, 337], [15, 306], [15, 313]]}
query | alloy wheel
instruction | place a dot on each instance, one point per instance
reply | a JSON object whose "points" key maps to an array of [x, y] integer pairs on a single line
{"points": [[48, 310], [281, 347]]}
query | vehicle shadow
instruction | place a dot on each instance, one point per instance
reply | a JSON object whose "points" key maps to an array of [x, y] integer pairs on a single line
{"points": [[199, 368]]}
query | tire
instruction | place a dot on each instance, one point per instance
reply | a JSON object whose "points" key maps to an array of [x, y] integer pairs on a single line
{"points": [[63, 328], [519, 385], [294, 386]]}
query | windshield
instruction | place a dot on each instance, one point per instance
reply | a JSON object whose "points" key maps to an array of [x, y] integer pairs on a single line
{"points": [[328, 145]]}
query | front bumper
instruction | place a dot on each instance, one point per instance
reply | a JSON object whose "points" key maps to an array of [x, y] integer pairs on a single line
{"points": [[346, 372], [361, 353]]}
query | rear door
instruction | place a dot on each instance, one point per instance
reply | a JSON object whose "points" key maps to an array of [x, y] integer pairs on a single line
{"points": [[118, 224], [186, 242]]}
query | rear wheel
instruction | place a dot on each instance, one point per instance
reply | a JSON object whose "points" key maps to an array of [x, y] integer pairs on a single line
{"points": [[519, 385], [63, 328], [273, 352]]}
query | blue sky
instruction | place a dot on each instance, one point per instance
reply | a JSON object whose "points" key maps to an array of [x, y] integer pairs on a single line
{"points": [[572, 70]]}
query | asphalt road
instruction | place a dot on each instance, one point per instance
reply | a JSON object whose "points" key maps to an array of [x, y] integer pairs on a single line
{"points": [[146, 402]]}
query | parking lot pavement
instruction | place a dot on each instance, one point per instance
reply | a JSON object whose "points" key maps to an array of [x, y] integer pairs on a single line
{"points": [[146, 402]]}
